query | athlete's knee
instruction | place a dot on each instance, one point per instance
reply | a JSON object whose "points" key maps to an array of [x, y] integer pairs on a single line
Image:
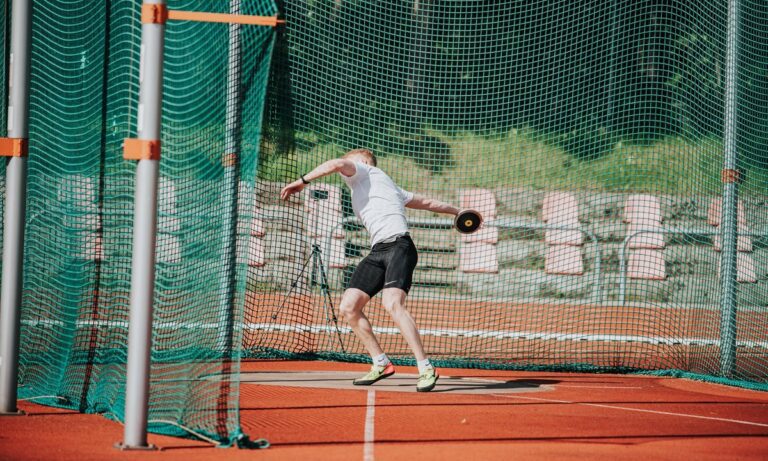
{"points": [[393, 306], [351, 305], [348, 311], [393, 300]]}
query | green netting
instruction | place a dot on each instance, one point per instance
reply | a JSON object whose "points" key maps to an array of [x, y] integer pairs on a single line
{"points": [[573, 126], [84, 99]]}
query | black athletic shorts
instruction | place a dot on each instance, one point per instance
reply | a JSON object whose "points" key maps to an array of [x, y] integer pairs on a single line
{"points": [[388, 265]]}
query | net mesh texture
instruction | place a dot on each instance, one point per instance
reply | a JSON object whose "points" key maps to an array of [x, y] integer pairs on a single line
{"points": [[83, 104], [590, 135]]}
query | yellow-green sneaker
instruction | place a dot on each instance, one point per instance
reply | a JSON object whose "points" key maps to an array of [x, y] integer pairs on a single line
{"points": [[427, 380], [377, 372]]}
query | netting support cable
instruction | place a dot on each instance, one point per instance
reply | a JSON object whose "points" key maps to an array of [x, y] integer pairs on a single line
{"points": [[15, 203], [144, 232], [730, 196], [97, 308]]}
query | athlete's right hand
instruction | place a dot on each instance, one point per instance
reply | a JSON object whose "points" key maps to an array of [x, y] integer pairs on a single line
{"points": [[292, 188]]}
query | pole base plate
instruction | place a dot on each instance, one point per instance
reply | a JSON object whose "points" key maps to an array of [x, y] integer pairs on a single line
{"points": [[13, 413], [123, 447]]}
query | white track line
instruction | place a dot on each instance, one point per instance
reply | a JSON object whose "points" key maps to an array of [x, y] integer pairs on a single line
{"points": [[552, 387], [446, 333], [598, 387], [616, 407], [370, 412]]}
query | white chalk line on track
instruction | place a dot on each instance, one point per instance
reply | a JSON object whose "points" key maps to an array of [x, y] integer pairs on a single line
{"points": [[640, 410], [370, 413], [598, 387], [552, 387], [447, 333]]}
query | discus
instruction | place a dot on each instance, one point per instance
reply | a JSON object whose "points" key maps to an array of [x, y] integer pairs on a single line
{"points": [[468, 221]]}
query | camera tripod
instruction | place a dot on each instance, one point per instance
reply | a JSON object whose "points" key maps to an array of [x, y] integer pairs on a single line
{"points": [[316, 258]]}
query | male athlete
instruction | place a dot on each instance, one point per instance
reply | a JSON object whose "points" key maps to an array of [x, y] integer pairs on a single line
{"points": [[380, 204]]}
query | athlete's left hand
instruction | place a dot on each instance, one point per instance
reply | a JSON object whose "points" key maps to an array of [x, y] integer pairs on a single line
{"points": [[292, 188]]}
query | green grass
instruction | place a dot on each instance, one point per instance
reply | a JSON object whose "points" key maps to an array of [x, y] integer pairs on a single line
{"points": [[522, 159]]}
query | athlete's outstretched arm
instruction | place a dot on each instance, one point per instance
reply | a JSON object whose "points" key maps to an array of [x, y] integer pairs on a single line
{"points": [[419, 202], [338, 165]]}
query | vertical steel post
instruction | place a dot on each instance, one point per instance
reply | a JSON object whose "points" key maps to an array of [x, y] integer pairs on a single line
{"points": [[144, 233], [729, 224], [15, 202], [230, 189], [229, 205]]}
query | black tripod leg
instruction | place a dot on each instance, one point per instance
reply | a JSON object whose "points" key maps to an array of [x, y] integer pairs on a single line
{"points": [[327, 295], [294, 284]]}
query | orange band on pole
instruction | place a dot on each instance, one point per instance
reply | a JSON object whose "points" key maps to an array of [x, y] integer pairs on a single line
{"points": [[229, 160], [178, 15], [154, 14], [13, 147], [141, 149], [728, 176]]}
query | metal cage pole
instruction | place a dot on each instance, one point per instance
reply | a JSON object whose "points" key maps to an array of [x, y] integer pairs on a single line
{"points": [[228, 198], [730, 178], [230, 189], [145, 149], [14, 147]]}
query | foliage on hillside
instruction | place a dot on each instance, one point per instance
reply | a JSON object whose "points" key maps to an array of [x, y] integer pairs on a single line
{"points": [[522, 159]]}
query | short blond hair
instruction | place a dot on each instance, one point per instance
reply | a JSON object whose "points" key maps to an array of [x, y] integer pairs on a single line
{"points": [[364, 152]]}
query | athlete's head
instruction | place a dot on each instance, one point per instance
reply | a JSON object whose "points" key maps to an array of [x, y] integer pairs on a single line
{"points": [[361, 155]]}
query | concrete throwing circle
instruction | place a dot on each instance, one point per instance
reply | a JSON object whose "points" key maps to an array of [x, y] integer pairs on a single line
{"points": [[400, 382]]}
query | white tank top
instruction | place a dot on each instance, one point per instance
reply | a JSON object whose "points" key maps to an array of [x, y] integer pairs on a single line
{"points": [[378, 202]]}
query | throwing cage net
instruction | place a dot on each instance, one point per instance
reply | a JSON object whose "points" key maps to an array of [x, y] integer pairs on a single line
{"points": [[84, 94], [591, 136]]}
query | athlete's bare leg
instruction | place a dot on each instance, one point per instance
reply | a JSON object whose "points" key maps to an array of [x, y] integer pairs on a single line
{"points": [[352, 303], [394, 302]]}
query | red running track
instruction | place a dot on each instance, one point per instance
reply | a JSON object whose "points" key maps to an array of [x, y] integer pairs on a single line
{"points": [[575, 416]]}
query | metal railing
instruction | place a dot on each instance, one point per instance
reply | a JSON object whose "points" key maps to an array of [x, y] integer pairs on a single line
{"points": [[501, 223], [700, 232], [522, 224], [518, 224]]}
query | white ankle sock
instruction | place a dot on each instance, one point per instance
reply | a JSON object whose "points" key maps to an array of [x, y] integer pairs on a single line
{"points": [[424, 365], [381, 360]]}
